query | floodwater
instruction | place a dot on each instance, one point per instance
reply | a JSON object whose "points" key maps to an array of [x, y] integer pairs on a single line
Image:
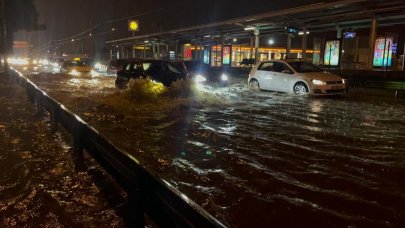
{"points": [[39, 186], [257, 159]]}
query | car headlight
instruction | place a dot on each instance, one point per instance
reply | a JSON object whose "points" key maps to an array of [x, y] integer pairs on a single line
{"points": [[224, 77], [74, 72], [94, 73], [199, 78], [318, 82]]}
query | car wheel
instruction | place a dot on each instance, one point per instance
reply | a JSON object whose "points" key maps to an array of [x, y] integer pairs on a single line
{"points": [[254, 84], [121, 84], [300, 88]]}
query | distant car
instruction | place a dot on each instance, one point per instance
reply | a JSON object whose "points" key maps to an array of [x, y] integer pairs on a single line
{"points": [[295, 77], [78, 67], [162, 71], [202, 72], [115, 65]]}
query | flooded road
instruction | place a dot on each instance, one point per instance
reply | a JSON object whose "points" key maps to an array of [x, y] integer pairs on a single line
{"points": [[257, 159], [39, 185]]}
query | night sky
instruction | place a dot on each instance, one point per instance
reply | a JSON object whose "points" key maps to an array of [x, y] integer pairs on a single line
{"points": [[65, 18]]}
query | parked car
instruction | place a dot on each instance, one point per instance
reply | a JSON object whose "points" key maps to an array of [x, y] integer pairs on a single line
{"points": [[202, 72], [162, 71], [296, 77], [77, 67]]}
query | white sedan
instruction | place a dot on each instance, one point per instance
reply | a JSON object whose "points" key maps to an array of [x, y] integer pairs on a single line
{"points": [[295, 77]]}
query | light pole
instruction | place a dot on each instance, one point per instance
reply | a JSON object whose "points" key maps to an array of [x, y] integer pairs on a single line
{"points": [[4, 33]]}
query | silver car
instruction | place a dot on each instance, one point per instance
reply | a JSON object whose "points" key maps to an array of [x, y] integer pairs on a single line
{"points": [[295, 77]]}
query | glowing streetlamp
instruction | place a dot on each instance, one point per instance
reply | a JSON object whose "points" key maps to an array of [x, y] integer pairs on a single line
{"points": [[133, 25]]}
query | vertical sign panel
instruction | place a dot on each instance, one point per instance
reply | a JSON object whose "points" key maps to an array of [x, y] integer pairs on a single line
{"points": [[332, 53], [187, 52], [206, 56], [383, 52], [226, 55]]}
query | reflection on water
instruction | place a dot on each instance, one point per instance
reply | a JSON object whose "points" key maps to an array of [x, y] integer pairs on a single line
{"points": [[256, 159]]}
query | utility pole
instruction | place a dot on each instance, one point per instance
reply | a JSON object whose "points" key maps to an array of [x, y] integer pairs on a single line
{"points": [[4, 33]]}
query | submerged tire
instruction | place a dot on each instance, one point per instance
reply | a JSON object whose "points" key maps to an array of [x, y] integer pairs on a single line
{"points": [[300, 89], [254, 84], [121, 84]]}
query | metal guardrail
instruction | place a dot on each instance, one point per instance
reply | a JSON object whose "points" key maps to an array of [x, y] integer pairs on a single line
{"points": [[388, 85], [147, 193]]}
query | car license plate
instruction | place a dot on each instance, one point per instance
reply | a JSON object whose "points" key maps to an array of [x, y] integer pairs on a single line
{"points": [[336, 87]]}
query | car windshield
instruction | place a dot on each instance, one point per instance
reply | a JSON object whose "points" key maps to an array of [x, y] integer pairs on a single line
{"points": [[173, 68], [180, 67], [303, 67], [196, 66]]}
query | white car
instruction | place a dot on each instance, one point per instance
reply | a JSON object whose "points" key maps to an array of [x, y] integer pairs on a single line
{"points": [[295, 77]]}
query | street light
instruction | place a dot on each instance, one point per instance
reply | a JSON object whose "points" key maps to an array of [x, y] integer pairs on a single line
{"points": [[271, 41], [73, 40], [4, 34], [300, 33]]}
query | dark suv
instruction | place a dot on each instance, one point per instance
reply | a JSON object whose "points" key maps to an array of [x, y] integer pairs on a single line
{"points": [[203, 72], [162, 71]]}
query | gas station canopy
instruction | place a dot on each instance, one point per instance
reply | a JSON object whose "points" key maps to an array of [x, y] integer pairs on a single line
{"points": [[318, 17]]}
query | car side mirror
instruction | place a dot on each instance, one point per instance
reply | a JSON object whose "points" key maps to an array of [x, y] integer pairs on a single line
{"points": [[286, 72]]}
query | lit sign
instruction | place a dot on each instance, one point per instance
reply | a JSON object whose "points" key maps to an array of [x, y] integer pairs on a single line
{"points": [[226, 55], [172, 55], [133, 25], [187, 54], [394, 48], [349, 35], [332, 53], [292, 29], [383, 50], [207, 56]]}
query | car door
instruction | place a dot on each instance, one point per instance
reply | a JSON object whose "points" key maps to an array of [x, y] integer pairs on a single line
{"points": [[170, 73], [153, 70], [281, 77], [264, 75], [124, 73]]}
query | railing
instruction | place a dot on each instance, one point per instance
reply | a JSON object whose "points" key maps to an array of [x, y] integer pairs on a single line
{"points": [[147, 193], [388, 85]]}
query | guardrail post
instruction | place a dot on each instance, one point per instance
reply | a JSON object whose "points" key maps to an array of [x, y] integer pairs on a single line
{"points": [[78, 156], [136, 212], [38, 103], [53, 119]]}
